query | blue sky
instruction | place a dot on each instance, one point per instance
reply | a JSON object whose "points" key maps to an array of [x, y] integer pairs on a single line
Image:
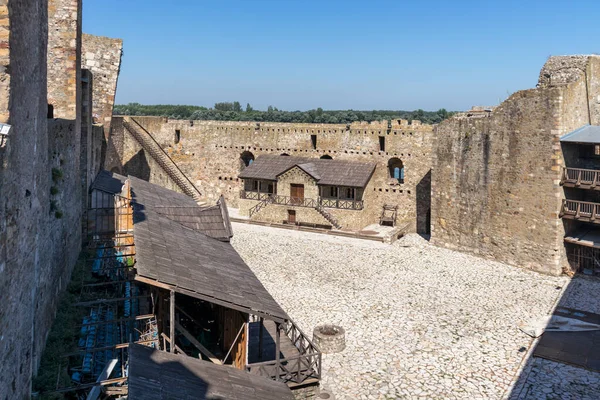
{"points": [[363, 55]]}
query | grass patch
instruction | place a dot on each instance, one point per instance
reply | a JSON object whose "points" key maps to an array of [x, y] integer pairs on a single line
{"points": [[63, 336]]}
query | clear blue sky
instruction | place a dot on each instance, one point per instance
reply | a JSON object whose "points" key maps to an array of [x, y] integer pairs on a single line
{"points": [[364, 55]]}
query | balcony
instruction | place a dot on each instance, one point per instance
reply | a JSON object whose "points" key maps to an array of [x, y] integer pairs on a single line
{"points": [[581, 178], [303, 201], [581, 211], [254, 195]]}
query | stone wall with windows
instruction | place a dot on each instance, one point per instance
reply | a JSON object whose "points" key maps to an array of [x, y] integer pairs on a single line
{"points": [[212, 154]]}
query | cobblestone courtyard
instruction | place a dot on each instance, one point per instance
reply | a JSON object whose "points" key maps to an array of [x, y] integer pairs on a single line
{"points": [[421, 322]]}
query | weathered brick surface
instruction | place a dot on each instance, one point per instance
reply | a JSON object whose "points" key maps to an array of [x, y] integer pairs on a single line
{"points": [[209, 153], [64, 57], [495, 189], [40, 232], [102, 57], [24, 189]]}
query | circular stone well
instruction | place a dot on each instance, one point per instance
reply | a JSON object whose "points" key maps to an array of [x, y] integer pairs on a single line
{"points": [[329, 338]]}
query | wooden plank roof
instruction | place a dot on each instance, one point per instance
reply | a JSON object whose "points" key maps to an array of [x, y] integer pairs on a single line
{"points": [[172, 253], [212, 220], [158, 375], [325, 172]]}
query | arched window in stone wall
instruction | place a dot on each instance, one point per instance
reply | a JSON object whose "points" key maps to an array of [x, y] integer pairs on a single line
{"points": [[326, 157], [247, 159], [396, 169], [284, 154]]}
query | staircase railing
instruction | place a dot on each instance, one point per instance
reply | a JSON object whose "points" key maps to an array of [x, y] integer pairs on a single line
{"points": [[260, 205], [147, 142], [328, 216]]}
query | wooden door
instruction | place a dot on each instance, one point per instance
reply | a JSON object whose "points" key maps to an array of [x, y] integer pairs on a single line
{"points": [[292, 216], [296, 193]]}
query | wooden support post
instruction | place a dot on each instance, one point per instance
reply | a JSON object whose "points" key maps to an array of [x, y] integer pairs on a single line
{"points": [[260, 338], [172, 321], [277, 350]]}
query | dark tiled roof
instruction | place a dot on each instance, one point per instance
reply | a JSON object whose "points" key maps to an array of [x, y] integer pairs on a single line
{"points": [[109, 182], [325, 172], [212, 221], [194, 263], [158, 375]]}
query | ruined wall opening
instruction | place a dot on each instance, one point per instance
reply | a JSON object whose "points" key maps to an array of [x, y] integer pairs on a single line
{"points": [[50, 111], [284, 154], [313, 141], [177, 137], [381, 143], [326, 157], [396, 169], [247, 159]]}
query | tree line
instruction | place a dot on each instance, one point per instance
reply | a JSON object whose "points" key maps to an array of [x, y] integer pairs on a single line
{"points": [[233, 111]]}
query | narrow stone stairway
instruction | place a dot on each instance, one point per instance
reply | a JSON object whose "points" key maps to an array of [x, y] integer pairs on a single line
{"points": [[145, 139]]}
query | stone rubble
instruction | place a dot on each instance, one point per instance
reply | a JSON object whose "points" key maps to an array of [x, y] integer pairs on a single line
{"points": [[420, 321]]}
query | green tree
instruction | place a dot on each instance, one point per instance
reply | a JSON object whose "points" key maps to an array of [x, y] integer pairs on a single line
{"points": [[249, 108]]}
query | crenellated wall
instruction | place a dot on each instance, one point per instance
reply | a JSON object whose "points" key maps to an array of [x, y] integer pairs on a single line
{"points": [[209, 153], [496, 177]]}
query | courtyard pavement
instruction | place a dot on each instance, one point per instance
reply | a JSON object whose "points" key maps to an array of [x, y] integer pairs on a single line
{"points": [[421, 321]]}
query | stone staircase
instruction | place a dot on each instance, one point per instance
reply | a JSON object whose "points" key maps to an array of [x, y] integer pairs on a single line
{"points": [[328, 217], [145, 139]]}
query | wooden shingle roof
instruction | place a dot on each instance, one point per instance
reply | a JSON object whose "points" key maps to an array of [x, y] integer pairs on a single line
{"points": [[212, 220], [325, 172], [172, 253], [158, 375], [108, 182]]}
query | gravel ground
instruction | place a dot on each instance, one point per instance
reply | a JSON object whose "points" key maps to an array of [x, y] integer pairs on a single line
{"points": [[421, 321]]}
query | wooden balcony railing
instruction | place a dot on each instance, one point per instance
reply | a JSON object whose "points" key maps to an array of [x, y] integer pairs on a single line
{"points": [[580, 210], [294, 201], [296, 370], [341, 203], [254, 195], [583, 178]]}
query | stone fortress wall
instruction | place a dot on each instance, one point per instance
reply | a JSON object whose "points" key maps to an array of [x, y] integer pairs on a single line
{"points": [[496, 176], [45, 167], [209, 153]]}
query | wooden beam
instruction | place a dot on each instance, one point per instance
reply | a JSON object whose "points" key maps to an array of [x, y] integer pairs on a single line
{"points": [[108, 369], [260, 337], [277, 350], [116, 346], [153, 282], [88, 385], [114, 321], [93, 302], [198, 345], [172, 321]]}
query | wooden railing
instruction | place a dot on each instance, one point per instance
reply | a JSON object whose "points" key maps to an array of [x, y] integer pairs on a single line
{"points": [[294, 201], [341, 203], [260, 205], [292, 370], [251, 195], [581, 177], [575, 209], [303, 201]]}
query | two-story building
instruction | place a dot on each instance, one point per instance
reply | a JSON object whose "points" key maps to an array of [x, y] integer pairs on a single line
{"points": [[322, 193]]}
